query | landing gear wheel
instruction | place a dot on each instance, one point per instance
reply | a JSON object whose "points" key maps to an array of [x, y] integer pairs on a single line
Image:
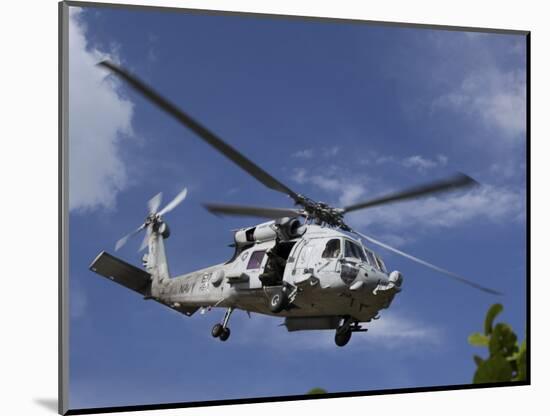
{"points": [[278, 301], [217, 330], [225, 334], [342, 337]]}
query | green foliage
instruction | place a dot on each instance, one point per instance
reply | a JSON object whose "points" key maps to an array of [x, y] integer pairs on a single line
{"points": [[507, 360], [521, 360], [492, 313], [478, 360], [503, 341], [494, 369], [317, 390], [478, 340]]}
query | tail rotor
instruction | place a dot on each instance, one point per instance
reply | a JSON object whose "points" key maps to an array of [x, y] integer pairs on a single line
{"points": [[154, 221], [154, 203], [174, 202], [121, 242]]}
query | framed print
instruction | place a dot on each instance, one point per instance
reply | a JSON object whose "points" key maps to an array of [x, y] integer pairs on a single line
{"points": [[267, 208]]}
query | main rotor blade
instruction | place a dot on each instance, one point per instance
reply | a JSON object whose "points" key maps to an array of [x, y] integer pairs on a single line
{"points": [[249, 211], [154, 203], [209, 137], [174, 203], [125, 239], [459, 180], [431, 266]]}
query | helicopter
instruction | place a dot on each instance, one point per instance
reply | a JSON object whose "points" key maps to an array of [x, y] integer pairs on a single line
{"points": [[305, 264]]}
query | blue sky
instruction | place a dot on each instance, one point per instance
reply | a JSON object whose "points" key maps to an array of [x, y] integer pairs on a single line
{"points": [[339, 112]]}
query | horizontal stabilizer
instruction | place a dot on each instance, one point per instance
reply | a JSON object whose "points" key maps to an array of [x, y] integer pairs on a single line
{"points": [[121, 272]]}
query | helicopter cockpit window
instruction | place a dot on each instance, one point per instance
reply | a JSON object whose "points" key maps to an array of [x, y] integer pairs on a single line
{"points": [[332, 249], [372, 259], [381, 264], [255, 260], [354, 250]]}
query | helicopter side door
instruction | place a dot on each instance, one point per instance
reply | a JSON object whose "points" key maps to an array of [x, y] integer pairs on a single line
{"points": [[326, 261], [319, 258], [300, 259]]}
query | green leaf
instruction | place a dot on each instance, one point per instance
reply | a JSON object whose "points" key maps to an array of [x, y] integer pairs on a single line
{"points": [[478, 340], [492, 313], [317, 390], [520, 351], [503, 341], [522, 362], [495, 369], [478, 360]]}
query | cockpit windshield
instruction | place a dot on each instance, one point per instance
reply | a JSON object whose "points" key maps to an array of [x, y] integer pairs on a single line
{"points": [[354, 250], [381, 264], [372, 260]]}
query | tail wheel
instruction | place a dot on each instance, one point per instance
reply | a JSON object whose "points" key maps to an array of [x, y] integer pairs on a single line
{"points": [[278, 301], [225, 334]]}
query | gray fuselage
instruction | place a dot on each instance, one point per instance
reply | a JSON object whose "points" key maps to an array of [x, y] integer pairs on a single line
{"points": [[342, 283]]}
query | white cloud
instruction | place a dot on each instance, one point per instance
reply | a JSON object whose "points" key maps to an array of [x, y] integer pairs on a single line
{"points": [[509, 169], [348, 189], [442, 160], [417, 162], [303, 154], [151, 43], [391, 331], [299, 175], [496, 97], [331, 151], [422, 163], [489, 203], [350, 193], [326, 152], [396, 240], [380, 160], [326, 183], [396, 330], [99, 118], [78, 303]]}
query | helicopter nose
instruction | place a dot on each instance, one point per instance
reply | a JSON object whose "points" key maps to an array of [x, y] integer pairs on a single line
{"points": [[396, 277], [363, 279]]}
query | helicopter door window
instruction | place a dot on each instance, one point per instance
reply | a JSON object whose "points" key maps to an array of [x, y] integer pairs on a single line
{"points": [[332, 249], [355, 251], [255, 260]]}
